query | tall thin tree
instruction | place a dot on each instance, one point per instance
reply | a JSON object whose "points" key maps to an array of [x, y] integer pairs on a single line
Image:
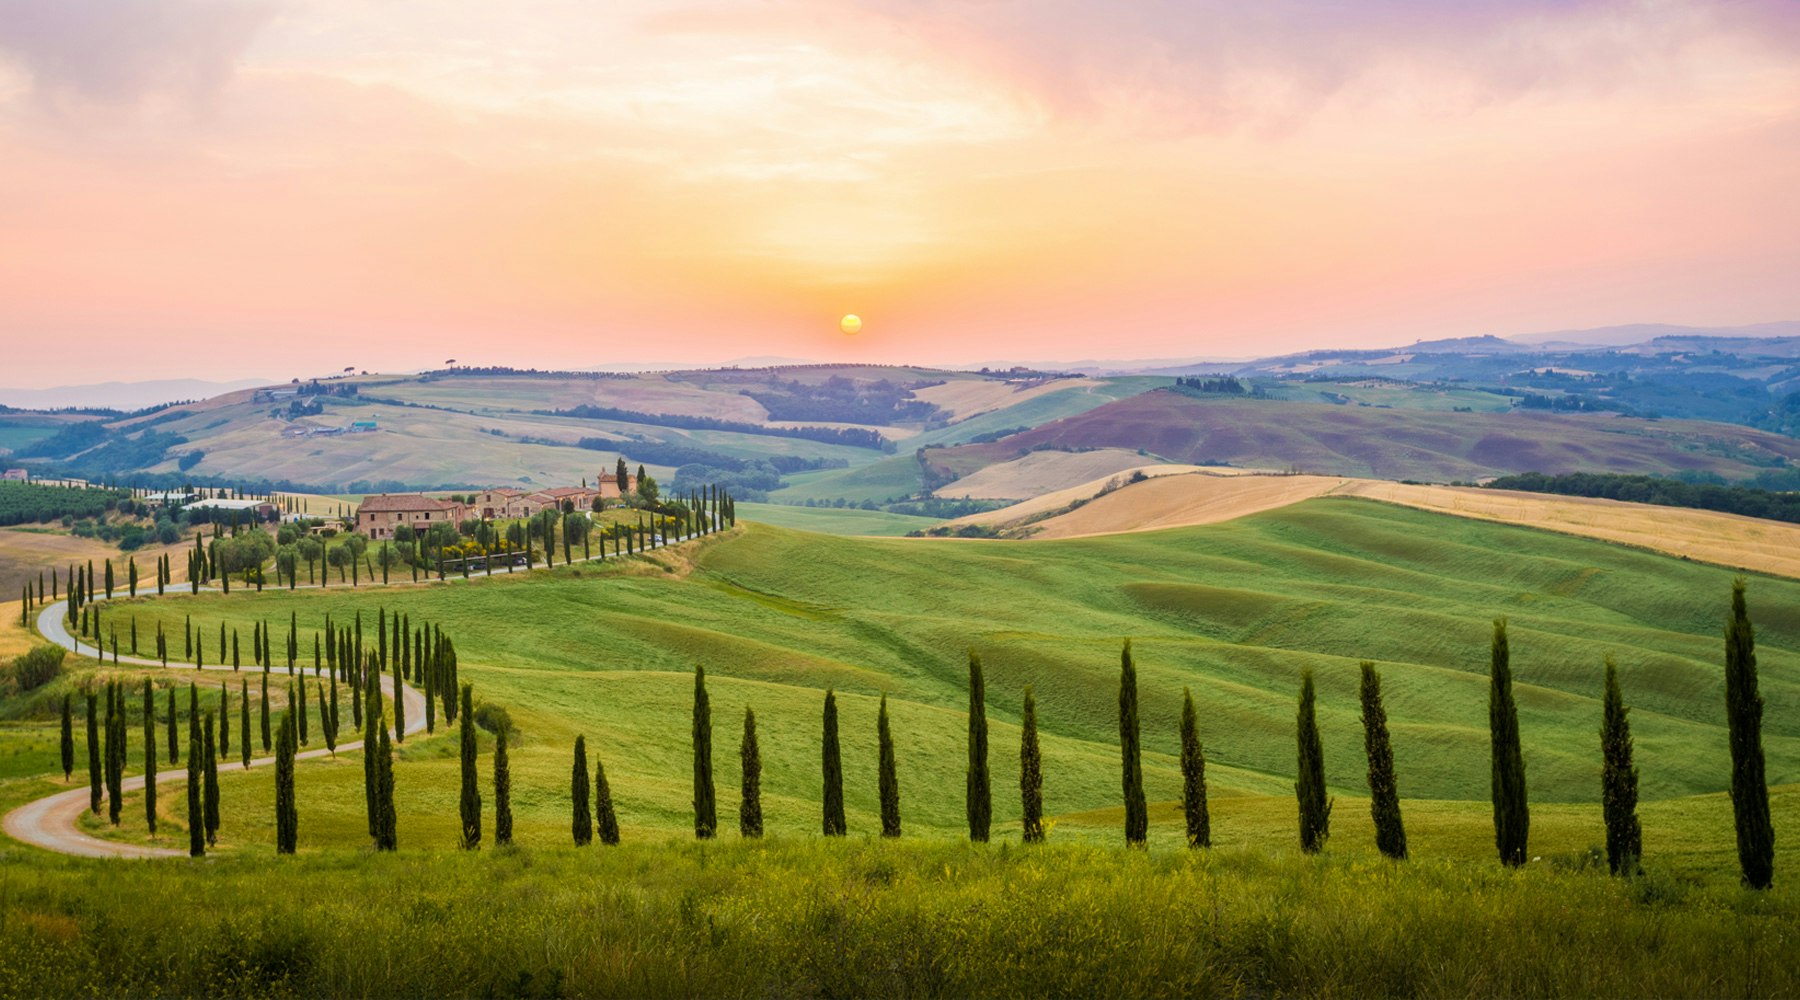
{"points": [[1512, 817], [606, 824], [706, 820], [1743, 716], [1031, 771], [1137, 815], [888, 778], [1309, 787], [582, 825], [471, 792], [1618, 780], [502, 791], [750, 819], [1193, 776], [68, 737], [196, 816], [834, 770], [287, 820], [978, 793], [149, 757], [1384, 792], [210, 768]]}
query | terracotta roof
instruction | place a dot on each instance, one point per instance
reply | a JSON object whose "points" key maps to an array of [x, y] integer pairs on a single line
{"points": [[389, 503], [564, 491], [505, 491]]}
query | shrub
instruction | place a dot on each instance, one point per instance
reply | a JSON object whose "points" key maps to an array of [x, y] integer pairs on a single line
{"points": [[37, 667], [495, 719]]}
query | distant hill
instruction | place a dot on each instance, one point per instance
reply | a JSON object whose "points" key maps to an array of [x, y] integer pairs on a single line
{"points": [[1639, 333], [1385, 443], [123, 395]]}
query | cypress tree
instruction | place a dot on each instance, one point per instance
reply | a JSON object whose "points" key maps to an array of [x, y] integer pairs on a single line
{"points": [[1309, 787], [1512, 820], [502, 792], [1193, 776], [1384, 792], [93, 746], [115, 753], [834, 771], [750, 821], [68, 737], [430, 701], [265, 713], [149, 757], [582, 820], [471, 794], [1618, 780], [1137, 815], [174, 754], [210, 769], [606, 824], [372, 775], [978, 794], [706, 820], [1031, 772], [287, 820], [298, 706], [889, 779], [326, 723], [388, 823], [399, 707], [244, 721], [1743, 717], [196, 817], [224, 720]]}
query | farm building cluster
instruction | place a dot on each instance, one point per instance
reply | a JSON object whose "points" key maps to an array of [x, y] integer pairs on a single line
{"points": [[380, 515]]}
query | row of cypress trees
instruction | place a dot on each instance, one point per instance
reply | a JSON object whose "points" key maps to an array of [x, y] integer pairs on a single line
{"points": [[1619, 775]]}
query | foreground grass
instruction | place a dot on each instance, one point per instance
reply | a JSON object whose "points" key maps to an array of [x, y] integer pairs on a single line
{"points": [[866, 917]]}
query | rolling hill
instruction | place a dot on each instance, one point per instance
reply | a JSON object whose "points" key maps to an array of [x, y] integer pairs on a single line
{"points": [[1382, 443]]}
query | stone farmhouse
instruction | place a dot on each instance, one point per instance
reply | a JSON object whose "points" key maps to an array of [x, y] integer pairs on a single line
{"points": [[378, 516]]}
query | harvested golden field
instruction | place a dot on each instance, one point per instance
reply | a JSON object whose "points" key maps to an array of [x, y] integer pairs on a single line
{"points": [[27, 549], [1206, 497], [965, 398], [1041, 472]]}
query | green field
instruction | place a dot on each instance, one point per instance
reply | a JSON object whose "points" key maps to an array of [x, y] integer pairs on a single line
{"points": [[834, 520], [1233, 611]]}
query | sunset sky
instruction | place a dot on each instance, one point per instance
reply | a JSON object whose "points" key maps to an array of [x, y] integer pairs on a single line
{"points": [[218, 188]]}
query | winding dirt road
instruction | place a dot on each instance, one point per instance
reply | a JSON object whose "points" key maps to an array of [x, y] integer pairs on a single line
{"points": [[50, 822]]}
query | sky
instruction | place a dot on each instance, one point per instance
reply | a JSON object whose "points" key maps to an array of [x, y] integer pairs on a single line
{"points": [[215, 188]]}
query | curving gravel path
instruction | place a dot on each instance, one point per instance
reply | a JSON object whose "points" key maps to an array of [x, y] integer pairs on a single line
{"points": [[50, 822]]}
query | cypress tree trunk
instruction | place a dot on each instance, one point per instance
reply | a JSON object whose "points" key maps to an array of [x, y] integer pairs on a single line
{"points": [[149, 757], [605, 821], [1137, 816], [706, 820], [286, 816], [1384, 792], [1743, 716], [978, 795], [93, 748], [210, 768], [68, 736], [502, 792], [1618, 780], [1309, 788], [196, 817], [471, 793], [1031, 771], [1512, 820], [750, 820], [889, 779], [834, 770], [583, 820], [1193, 776]]}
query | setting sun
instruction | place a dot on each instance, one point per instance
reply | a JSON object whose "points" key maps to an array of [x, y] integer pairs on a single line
{"points": [[851, 323]]}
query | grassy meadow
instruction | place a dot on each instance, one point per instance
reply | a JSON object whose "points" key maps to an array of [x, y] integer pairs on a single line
{"points": [[1231, 611]]}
